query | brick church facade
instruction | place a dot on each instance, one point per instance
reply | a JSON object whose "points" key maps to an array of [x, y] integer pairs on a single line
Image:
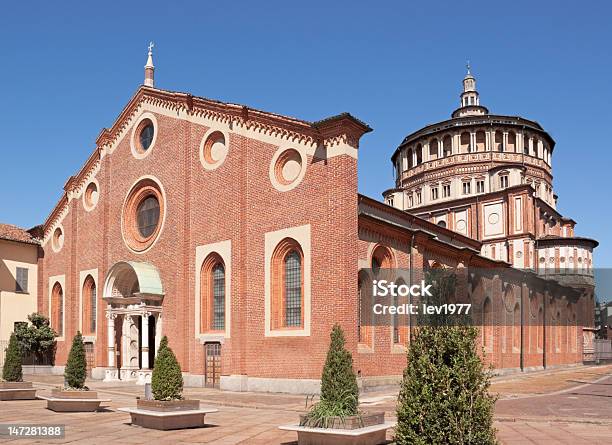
{"points": [[240, 234]]}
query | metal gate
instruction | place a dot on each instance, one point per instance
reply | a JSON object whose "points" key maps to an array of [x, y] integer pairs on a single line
{"points": [[89, 357], [212, 365]]}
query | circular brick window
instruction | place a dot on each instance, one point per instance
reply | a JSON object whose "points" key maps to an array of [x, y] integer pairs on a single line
{"points": [[143, 215], [57, 241], [144, 135], [213, 150], [287, 169], [91, 195]]}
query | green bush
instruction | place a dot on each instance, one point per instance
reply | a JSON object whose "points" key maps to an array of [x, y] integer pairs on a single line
{"points": [[11, 371], [167, 380], [76, 366], [37, 336], [339, 391], [444, 395]]}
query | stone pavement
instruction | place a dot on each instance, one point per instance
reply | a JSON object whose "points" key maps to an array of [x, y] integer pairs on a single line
{"points": [[571, 406]]}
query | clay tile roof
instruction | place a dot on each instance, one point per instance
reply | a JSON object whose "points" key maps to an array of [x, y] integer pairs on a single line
{"points": [[14, 233]]}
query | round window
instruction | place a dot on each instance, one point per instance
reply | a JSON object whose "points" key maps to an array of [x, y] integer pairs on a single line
{"points": [[213, 150], [91, 196], [58, 239], [147, 216], [145, 135], [288, 166], [143, 215]]}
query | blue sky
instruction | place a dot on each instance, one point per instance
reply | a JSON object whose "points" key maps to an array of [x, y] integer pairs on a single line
{"points": [[68, 68]]}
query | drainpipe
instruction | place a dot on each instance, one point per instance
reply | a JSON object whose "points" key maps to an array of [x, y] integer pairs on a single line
{"points": [[522, 358], [544, 329]]}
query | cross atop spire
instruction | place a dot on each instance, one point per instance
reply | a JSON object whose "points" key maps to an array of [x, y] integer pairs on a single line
{"points": [[467, 65], [149, 67]]}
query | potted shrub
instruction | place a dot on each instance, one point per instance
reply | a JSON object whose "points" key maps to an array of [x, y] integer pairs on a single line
{"points": [[336, 417], [74, 395], [168, 409], [37, 341], [444, 394], [12, 386]]}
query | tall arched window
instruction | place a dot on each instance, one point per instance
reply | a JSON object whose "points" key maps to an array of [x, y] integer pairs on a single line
{"points": [[293, 289], [287, 285], [212, 294], [89, 302], [57, 309]]}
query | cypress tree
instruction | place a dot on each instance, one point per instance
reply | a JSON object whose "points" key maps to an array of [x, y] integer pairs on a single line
{"points": [[444, 395], [76, 366], [166, 380], [339, 390], [11, 371]]}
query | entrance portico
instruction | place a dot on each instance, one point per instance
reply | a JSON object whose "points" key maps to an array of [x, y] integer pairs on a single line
{"points": [[134, 294]]}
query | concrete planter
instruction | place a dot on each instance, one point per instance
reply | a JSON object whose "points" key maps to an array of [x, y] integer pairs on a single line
{"points": [[73, 394], [167, 405], [17, 391], [366, 429], [352, 422], [73, 401], [168, 415]]}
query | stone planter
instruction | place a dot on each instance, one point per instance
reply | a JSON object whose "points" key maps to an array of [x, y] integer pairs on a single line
{"points": [[353, 422], [62, 400], [73, 394], [17, 391], [167, 405], [366, 429], [168, 414]]}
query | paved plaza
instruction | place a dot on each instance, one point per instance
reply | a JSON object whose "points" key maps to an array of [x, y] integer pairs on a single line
{"points": [[556, 407]]}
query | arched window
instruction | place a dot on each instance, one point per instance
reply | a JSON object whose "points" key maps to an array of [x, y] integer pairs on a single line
{"points": [[212, 294], [525, 144], [293, 289], [57, 309], [511, 141], [433, 149], [464, 143], [89, 301], [481, 141], [447, 146], [381, 259], [499, 141], [287, 285], [419, 154]]}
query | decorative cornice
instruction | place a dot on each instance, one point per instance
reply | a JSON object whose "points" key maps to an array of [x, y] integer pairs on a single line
{"points": [[332, 132]]}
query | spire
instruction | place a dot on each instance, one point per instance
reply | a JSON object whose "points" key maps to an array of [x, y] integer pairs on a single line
{"points": [[149, 67], [469, 104]]}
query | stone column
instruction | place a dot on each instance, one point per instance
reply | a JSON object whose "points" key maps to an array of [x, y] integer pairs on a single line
{"points": [[111, 371], [144, 346], [125, 342], [158, 332], [110, 326]]}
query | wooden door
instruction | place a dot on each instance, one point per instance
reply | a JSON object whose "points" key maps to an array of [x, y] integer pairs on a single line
{"points": [[212, 365]]}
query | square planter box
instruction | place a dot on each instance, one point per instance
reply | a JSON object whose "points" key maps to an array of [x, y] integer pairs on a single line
{"points": [[367, 429], [168, 415], [17, 391], [73, 401]]}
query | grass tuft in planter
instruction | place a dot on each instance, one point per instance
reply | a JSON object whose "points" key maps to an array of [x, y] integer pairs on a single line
{"points": [[339, 390]]}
